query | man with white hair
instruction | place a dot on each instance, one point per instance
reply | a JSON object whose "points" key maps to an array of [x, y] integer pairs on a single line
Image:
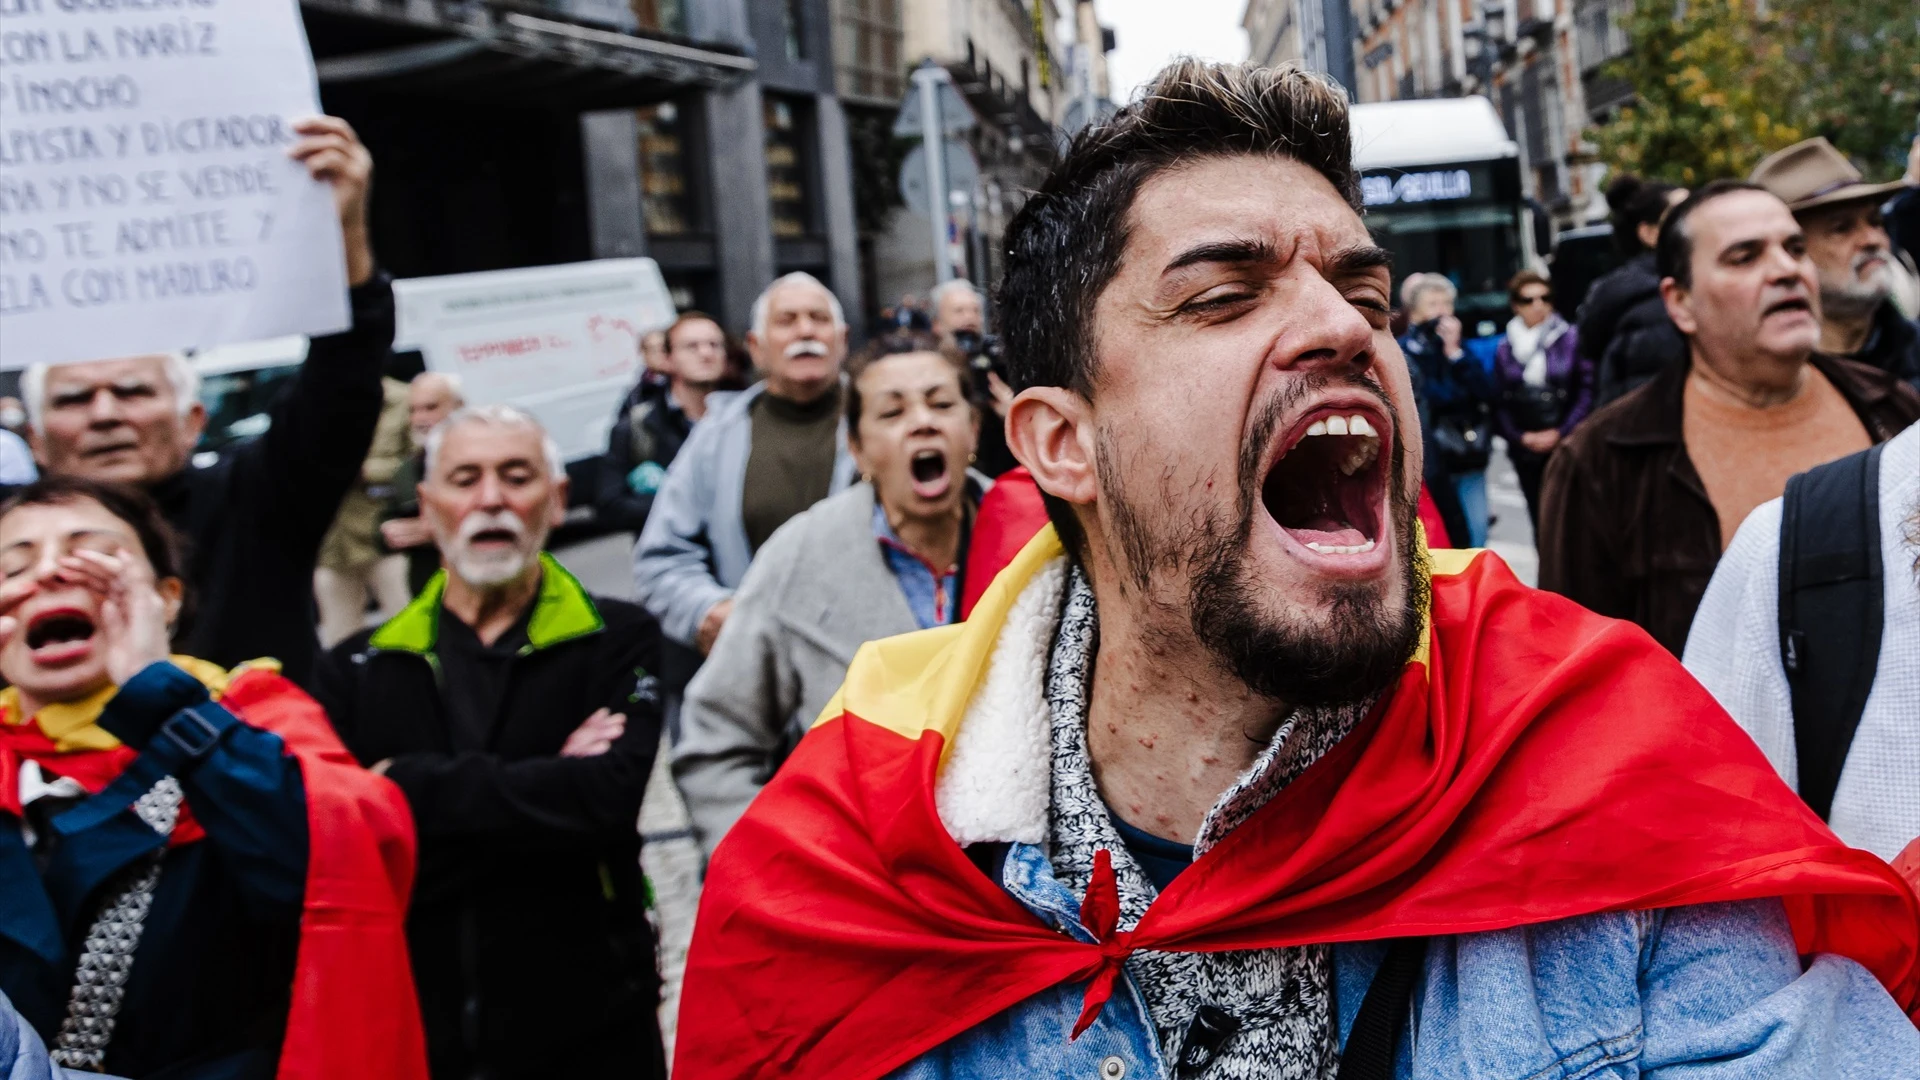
{"points": [[758, 458], [1452, 391], [520, 716], [256, 519]]}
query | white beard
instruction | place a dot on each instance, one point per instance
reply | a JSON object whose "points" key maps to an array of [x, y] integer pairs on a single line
{"points": [[1854, 295], [484, 570]]}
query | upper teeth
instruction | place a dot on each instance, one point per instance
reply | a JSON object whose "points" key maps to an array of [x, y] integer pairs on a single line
{"points": [[1340, 549], [1343, 425], [1364, 453]]}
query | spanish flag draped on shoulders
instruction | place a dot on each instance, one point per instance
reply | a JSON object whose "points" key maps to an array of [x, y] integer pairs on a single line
{"points": [[275, 874], [1534, 762]]}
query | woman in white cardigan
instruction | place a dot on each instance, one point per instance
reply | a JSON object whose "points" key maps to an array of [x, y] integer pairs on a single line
{"points": [[879, 559]]}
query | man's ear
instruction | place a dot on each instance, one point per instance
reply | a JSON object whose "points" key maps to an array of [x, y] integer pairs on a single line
{"points": [[195, 421], [559, 515], [1050, 429], [1679, 303]]}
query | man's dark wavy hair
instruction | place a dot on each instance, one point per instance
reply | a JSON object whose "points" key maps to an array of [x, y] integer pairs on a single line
{"points": [[1064, 246]]}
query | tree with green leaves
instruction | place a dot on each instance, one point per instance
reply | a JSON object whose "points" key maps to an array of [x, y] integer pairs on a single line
{"points": [[1719, 84]]}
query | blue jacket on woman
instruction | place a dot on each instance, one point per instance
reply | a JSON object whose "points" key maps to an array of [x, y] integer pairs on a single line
{"points": [[211, 983]]}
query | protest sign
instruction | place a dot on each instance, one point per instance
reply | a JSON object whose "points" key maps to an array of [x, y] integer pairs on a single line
{"points": [[147, 202], [561, 342]]}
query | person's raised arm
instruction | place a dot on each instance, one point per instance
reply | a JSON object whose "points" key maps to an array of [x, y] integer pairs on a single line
{"points": [[310, 455]]}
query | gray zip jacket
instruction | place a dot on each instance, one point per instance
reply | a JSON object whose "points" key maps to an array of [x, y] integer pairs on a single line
{"points": [[819, 590], [693, 552]]}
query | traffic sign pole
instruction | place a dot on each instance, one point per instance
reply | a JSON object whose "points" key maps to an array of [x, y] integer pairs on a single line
{"points": [[929, 76]]}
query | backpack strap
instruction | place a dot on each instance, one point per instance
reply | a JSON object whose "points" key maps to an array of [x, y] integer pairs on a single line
{"points": [[1374, 1041], [1831, 611]]}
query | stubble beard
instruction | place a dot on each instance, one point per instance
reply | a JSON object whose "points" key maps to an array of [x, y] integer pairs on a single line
{"points": [[1356, 652]]}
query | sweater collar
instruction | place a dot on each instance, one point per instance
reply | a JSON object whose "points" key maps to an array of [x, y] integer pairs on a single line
{"points": [[1655, 418]]}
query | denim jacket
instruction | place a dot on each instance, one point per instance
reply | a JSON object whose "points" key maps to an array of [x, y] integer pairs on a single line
{"points": [[1714, 992]]}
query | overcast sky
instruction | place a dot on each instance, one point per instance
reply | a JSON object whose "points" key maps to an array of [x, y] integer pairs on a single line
{"points": [[1152, 32]]}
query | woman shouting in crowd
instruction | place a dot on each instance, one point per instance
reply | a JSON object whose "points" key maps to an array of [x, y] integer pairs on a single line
{"points": [[879, 559], [195, 880]]}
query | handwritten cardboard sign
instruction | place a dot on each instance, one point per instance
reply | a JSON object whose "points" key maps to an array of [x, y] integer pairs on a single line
{"points": [[561, 342], [146, 199]]}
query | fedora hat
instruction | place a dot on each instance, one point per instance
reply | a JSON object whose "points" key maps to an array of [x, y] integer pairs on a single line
{"points": [[1812, 173]]}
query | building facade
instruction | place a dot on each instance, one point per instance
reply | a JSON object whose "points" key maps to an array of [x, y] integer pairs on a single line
{"points": [[1411, 48], [870, 77], [1317, 34], [1008, 61], [706, 134], [1526, 56]]}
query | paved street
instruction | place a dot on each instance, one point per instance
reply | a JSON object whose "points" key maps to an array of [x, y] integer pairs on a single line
{"points": [[1512, 534]]}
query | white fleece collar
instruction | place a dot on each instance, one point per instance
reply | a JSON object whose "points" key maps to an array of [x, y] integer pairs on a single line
{"points": [[995, 785]]}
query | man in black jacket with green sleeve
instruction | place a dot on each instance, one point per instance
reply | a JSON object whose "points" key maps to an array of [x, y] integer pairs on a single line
{"points": [[520, 716]]}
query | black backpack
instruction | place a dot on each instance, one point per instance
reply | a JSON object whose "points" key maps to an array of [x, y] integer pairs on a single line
{"points": [[1831, 612]]}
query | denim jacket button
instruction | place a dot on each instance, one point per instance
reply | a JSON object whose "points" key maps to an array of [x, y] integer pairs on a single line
{"points": [[1113, 1068]]}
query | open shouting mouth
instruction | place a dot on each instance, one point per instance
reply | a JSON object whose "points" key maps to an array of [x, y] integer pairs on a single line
{"points": [[931, 477], [60, 636], [1327, 488]]}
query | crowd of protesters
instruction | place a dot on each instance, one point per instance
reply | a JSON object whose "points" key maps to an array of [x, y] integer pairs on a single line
{"points": [[1042, 706]]}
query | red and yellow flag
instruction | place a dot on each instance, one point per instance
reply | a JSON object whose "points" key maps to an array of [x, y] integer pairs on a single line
{"points": [[1535, 762], [354, 1013]]}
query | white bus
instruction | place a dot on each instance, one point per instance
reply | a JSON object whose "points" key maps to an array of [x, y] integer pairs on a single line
{"points": [[1441, 184]]}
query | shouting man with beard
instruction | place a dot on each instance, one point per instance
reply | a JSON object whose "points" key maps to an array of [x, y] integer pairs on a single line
{"points": [[520, 717], [1228, 775]]}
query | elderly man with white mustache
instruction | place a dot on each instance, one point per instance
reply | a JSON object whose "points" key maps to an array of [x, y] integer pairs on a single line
{"points": [[758, 458], [1847, 239], [520, 716]]}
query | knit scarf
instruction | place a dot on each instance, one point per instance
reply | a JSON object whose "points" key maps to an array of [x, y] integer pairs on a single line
{"points": [[1281, 998]]}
